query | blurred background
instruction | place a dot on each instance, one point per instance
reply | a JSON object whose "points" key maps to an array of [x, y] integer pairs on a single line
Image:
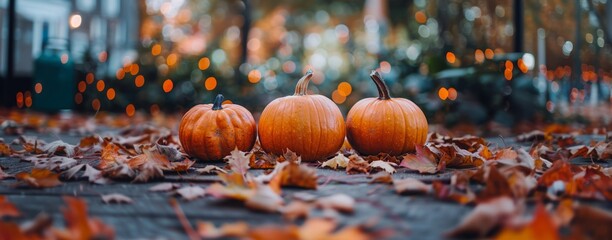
{"points": [[471, 63]]}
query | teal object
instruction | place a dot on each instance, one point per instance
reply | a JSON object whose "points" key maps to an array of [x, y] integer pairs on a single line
{"points": [[54, 70]]}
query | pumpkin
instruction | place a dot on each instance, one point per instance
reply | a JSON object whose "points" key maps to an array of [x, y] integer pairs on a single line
{"points": [[212, 131], [310, 125], [384, 124]]}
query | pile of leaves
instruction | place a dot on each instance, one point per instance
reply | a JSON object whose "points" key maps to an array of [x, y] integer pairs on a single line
{"points": [[550, 169]]}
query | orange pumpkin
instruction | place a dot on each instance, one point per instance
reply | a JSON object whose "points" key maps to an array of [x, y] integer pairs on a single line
{"points": [[212, 131], [310, 125], [384, 124]]}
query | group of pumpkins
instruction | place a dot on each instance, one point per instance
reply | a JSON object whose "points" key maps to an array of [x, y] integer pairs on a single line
{"points": [[310, 125]]}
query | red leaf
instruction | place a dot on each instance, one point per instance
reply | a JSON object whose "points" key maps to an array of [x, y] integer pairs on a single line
{"points": [[424, 161]]}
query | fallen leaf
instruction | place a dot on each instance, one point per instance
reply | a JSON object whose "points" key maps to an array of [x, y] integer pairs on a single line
{"points": [[60, 147], [10, 230], [210, 169], [191, 192], [228, 230], [423, 161], [295, 210], [261, 160], [381, 177], [164, 187], [264, 199], [386, 166], [7, 209], [591, 223], [339, 202], [410, 185], [357, 165], [541, 227], [295, 174], [90, 141], [116, 198], [234, 187], [496, 185], [452, 193], [238, 161], [56, 163], [79, 225], [95, 176], [484, 218], [73, 171], [40, 178], [5, 149], [338, 161]]}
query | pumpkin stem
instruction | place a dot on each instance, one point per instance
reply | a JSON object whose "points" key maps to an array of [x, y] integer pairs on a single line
{"points": [[383, 91], [217, 103], [301, 87]]}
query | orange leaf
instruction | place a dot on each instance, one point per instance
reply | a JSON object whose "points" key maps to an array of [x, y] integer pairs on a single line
{"points": [[9, 230], [40, 178], [424, 161], [5, 149], [7, 208], [79, 225], [541, 227]]}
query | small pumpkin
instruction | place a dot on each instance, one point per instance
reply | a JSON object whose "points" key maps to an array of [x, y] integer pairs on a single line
{"points": [[310, 125], [212, 131], [384, 124]]}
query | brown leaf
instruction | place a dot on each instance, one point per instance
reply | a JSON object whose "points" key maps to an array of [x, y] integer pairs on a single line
{"points": [[505, 153], [262, 160], [560, 170], [357, 165], [295, 174], [164, 187], [60, 147], [90, 141], [295, 210], [591, 223], [484, 218], [238, 161], [79, 225], [7, 209], [423, 161], [264, 199], [410, 185], [452, 193], [116, 198], [228, 230], [338, 161], [210, 169], [10, 230], [5, 149], [386, 166], [234, 187], [496, 185], [541, 227], [191, 192], [40, 178], [381, 177], [339, 202]]}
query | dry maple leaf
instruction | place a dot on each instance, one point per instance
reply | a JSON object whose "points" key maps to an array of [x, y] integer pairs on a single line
{"points": [[560, 170], [238, 161], [410, 185], [7, 209], [484, 218], [109, 156], [505, 153], [5, 149], [295, 210], [210, 169], [191, 192], [265, 199], [40, 178], [357, 165], [261, 160], [91, 141], [295, 174], [31, 144], [541, 227], [56, 163], [381, 177], [423, 161], [116, 198], [339, 202], [60, 147], [386, 166], [445, 192], [79, 225], [164, 187], [235, 187], [94, 175], [590, 223], [338, 161], [496, 185]]}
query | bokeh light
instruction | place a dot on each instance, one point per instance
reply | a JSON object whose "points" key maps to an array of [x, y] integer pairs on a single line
{"points": [[210, 83], [168, 85]]}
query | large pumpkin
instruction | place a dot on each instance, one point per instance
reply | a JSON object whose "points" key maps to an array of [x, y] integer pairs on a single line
{"points": [[310, 125], [212, 131], [385, 124]]}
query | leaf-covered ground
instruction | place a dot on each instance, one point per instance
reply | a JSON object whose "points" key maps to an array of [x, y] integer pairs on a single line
{"points": [[76, 177]]}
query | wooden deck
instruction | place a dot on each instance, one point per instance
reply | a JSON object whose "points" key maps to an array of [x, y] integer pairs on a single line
{"points": [[151, 216]]}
